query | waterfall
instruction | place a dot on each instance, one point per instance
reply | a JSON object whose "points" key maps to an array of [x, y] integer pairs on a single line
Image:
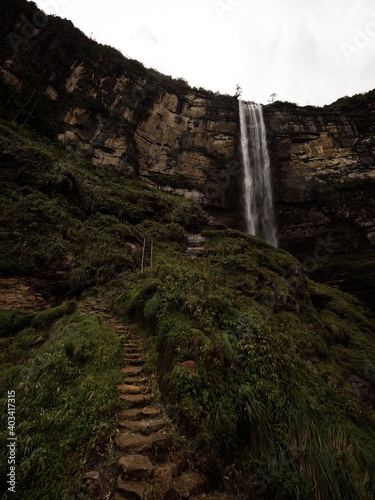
{"points": [[259, 214]]}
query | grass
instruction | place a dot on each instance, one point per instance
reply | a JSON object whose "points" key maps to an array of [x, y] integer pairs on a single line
{"points": [[273, 352], [58, 208], [65, 412]]}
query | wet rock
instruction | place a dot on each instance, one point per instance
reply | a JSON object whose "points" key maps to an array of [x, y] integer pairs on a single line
{"points": [[189, 366], [136, 466], [133, 442]]}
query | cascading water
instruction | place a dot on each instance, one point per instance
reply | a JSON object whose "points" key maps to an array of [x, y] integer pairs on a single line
{"points": [[259, 215]]}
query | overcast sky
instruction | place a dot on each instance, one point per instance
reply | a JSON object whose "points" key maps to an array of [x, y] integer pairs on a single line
{"points": [[305, 51]]}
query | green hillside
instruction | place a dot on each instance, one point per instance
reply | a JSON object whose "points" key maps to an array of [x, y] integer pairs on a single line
{"points": [[266, 402]]}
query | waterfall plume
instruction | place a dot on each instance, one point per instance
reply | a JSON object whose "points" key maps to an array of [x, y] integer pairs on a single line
{"points": [[259, 214]]}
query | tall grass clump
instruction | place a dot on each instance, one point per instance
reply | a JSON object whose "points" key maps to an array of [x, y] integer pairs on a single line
{"points": [[65, 411]]}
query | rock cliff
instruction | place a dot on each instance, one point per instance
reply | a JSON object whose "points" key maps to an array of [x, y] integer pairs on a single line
{"points": [[116, 112], [324, 172]]}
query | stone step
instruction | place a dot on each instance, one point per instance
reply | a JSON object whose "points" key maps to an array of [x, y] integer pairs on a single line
{"points": [[162, 440], [134, 389], [138, 443], [133, 442], [137, 466], [133, 352], [136, 380], [162, 482], [134, 490], [190, 483], [132, 370], [135, 362], [133, 355], [136, 400], [139, 413], [145, 427]]}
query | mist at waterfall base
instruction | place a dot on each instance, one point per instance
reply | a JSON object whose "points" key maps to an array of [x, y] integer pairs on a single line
{"points": [[258, 200]]}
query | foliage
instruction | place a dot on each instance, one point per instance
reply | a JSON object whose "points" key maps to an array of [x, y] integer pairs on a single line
{"points": [[64, 411], [12, 322], [269, 356], [58, 209], [45, 318]]}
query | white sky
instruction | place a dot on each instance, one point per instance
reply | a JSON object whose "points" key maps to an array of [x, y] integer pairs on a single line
{"points": [[306, 51]]}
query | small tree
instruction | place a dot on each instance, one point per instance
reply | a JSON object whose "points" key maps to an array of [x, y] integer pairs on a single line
{"points": [[272, 98], [238, 91]]}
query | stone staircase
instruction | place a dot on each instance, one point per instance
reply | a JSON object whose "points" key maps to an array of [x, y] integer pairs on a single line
{"points": [[195, 245], [150, 466]]}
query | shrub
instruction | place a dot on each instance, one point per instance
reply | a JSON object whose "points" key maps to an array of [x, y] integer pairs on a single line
{"points": [[12, 322], [45, 318]]}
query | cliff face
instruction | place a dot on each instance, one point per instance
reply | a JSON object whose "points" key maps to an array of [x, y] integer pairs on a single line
{"points": [[116, 112], [324, 172]]}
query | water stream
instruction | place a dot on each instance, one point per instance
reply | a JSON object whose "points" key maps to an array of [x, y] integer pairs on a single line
{"points": [[259, 213]]}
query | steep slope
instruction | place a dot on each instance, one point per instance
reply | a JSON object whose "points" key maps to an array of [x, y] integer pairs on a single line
{"points": [[269, 375], [67, 221], [138, 121]]}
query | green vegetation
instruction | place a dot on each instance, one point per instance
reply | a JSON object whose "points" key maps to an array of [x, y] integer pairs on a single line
{"points": [[58, 208], [355, 272], [12, 322], [64, 411], [354, 103], [269, 400], [59, 212]]}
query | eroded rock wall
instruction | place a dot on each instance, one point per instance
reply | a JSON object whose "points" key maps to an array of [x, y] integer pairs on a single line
{"points": [[116, 112], [323, 164]]}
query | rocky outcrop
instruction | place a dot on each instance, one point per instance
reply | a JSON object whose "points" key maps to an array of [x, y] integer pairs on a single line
{"points": [[21, 294], [116, 112], [323, 162]]}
